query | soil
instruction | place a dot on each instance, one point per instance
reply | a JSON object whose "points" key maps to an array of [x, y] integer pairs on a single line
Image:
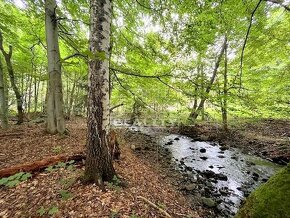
{"points": [[60, 191]]}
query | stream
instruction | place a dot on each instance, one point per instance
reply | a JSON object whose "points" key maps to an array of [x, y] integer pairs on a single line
{"points": [[220, 177], [224, 176]]}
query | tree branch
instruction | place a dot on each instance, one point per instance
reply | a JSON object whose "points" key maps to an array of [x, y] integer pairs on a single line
{"points": [[139, 75], [246, 39]]}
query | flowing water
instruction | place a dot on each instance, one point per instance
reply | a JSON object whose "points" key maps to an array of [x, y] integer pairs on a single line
{"points": [[229, 174]]}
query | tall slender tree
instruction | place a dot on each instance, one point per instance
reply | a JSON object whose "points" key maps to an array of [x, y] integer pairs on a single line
{"points": [[99, 165], [55, 116], [3, 100], [11, 74]]}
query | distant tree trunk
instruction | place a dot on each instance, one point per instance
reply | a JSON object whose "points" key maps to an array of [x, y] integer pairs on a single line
{"points": [[29, 94], [36, 91], [55, 116], [71, 98], [225, 92], [99, 165], [10, 70], [194, 114], [3, 100]]}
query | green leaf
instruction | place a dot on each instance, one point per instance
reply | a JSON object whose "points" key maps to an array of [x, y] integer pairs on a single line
{"points": [[41, 211], [71, 162], [13, 177], [3, 181], [26, 176], [50, 169], [65, 195], [13, 183], [60, 165], [53, 210]]}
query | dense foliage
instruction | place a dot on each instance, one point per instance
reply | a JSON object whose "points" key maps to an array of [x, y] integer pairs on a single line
{"points": [[163, 55]]}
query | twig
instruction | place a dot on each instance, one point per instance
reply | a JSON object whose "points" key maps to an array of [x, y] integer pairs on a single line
{"points": [[155, 206]]}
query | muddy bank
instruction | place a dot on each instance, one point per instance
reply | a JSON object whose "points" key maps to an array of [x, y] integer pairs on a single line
{"points": [[268, 139]]}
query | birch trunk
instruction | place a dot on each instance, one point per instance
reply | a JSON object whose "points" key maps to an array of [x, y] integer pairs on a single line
{"points": [[99, 165], [3, 100], [55, 117]]}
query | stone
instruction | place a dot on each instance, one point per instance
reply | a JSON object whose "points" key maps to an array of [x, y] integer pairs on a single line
{"points": [[221, 156], [202, 150], [222, 177], [176, 139], [223, 148], [204, 158], [190, 187], [208, 202]]}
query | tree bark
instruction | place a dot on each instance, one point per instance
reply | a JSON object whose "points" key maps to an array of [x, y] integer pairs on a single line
{"points": [[55, 116], [194, 114], [99, 166], [225, 92], [71, 98], [10, 70], [3, 100]]}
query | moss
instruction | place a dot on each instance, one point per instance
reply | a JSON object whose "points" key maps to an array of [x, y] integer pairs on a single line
{"points": [[271, 200]]}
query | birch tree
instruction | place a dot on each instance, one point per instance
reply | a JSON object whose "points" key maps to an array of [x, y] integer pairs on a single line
{"points": [[55, 117], [99, 165]]}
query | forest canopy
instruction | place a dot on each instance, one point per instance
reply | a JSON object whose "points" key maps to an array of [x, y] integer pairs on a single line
{"points": [[167, 57]]}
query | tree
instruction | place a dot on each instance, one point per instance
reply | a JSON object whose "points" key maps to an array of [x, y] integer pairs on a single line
{"points": [[55, 117], [99, 165], [3, 100], [10, 70], [194, 114]]}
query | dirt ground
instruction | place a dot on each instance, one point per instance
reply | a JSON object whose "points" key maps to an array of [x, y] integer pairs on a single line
{"points": [[60, 192]]}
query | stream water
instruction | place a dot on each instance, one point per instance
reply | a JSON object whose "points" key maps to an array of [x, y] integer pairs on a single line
{"points": [[221, 177], [226, 175]]}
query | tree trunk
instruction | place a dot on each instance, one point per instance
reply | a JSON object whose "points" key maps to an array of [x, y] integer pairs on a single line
{"points": [[36, 91], [194, 114], [225, 92], [3, 100], [99, 166], [71, 98], [55, 117], [10, 70]]}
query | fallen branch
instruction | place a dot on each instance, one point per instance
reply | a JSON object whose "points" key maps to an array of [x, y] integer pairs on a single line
{"points": [[155, 206], [39, 165], [12, 134]]}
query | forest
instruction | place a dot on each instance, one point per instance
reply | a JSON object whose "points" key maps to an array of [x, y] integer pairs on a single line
{"points": [[145, 108]]}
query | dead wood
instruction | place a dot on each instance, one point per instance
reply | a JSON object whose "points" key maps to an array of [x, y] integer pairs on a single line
{"points": [[39, 165], [155, 206]]}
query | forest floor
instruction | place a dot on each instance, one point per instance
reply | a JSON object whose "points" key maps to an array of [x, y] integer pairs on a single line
{"points": [[58, 192]]}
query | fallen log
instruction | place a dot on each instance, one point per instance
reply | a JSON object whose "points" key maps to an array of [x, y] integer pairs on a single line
{"points": [[40, 164]]}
